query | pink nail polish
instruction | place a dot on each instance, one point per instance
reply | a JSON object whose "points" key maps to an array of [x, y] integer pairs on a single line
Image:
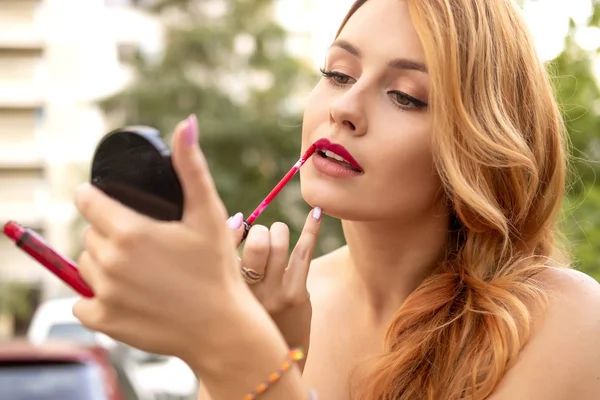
{"points": [[236, 221], [317, 213], [190, 132]]}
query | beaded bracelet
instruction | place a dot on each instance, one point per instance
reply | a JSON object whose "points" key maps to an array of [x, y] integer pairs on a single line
{"points": [[294, 355]]}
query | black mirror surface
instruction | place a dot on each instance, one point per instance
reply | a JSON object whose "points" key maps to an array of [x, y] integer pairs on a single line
{"points": [[133, 166]]}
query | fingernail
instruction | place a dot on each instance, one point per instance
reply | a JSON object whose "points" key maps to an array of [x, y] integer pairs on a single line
{"points": [[317, 212], [190, 132], [236, 221]]}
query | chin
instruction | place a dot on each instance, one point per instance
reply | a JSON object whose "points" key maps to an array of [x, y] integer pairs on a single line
{"points": [[333, 202]]}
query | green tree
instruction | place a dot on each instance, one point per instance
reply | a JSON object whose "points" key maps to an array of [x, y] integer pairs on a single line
{"points": [[15, 299], [578, 93], [229, 65]]}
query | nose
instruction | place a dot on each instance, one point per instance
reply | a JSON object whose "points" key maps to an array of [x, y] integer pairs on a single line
{"points": [[347, 112]]}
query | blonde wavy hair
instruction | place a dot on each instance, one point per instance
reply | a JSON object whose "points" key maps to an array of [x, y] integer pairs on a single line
{"points": [[499, 146]]}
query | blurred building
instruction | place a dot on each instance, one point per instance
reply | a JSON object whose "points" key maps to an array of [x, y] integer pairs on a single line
{"points": [[22, 184], [57, 57]]}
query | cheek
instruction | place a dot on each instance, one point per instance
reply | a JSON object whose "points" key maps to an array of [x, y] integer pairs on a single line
{"points": [[316, 114], [407, 158], [409, 178]]}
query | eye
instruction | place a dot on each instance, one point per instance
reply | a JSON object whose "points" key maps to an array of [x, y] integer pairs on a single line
{"points": [[405, 101], [337, 78]]}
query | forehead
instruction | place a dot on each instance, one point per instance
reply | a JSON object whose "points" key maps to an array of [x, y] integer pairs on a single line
{"points": [[384, 29]]}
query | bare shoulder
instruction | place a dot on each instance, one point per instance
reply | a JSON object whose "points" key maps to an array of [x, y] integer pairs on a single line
{"points": [[574, 298], [568, 280], [562, 358]]}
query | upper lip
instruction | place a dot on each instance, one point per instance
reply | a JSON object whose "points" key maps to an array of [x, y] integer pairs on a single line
{"points": [[325, 144]]}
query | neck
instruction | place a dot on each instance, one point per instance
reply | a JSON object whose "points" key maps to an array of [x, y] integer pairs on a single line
{"points": [[390, 259]]}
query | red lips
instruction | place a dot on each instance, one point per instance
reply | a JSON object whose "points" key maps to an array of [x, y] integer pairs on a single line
{"points": [[325, 144]]}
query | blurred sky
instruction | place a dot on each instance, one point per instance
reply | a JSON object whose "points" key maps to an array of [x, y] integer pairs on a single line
{"points": [[548, 21]]}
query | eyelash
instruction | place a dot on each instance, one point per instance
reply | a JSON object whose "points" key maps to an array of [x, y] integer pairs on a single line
{"points": [[334, 78]]}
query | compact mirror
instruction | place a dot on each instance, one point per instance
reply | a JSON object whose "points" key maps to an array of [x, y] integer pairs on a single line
{"points": [[133, 166]]}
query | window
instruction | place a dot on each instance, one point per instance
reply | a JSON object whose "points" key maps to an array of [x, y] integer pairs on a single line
{"points": [[50, 381]]}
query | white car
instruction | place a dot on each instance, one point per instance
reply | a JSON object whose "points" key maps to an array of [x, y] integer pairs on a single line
{"points": [[168, 378], [54, 320]]}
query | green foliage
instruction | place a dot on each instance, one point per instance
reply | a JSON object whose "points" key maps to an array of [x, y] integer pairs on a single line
{"points": [[14, 299], [241, 95], [581, 226], [579, 95]]}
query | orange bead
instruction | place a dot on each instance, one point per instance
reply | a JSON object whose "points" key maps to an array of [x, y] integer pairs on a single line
{"points": [[294, 355], [262, 388]]}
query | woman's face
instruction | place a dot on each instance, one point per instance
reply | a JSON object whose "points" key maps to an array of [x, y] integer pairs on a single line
{"points": [[373, 100]]}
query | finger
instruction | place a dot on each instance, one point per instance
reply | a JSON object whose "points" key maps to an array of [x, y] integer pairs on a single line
{"points": [[278, 254], [95, 316], [96, 258], [104, 214], [256, 250], [301, 256], [236, 224], [200, 195], [85, 310], [93, 242], [88, 270]]}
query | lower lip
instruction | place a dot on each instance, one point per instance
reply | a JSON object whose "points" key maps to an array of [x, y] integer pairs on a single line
{"points": [[331, 168]]}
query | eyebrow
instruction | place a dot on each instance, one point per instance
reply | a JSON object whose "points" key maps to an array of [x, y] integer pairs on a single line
{"points": [[397, 63]]}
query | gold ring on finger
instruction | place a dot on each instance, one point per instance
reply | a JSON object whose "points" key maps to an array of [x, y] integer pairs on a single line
{"points": [[251, 276]]}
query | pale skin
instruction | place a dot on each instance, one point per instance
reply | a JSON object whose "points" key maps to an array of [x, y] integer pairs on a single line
{"points": [[395, 224]]}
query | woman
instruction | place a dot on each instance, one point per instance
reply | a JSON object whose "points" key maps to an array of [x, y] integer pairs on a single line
{"points": [[450, 286]]}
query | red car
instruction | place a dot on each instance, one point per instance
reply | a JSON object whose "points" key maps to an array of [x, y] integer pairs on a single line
{"points": [[60, 371]]}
